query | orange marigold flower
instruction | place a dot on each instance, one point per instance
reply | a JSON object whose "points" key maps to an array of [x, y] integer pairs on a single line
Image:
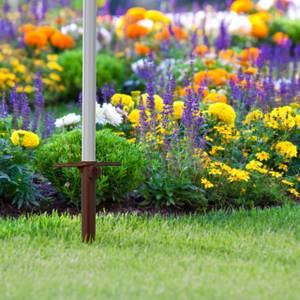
{"points": [[62, 41], [242, 6], [27, 28], [35, 39], [280, 38], [135, 31], [141, 49], [250, 54], [260, 28], [176, 31], [212, 77], [47, 30], [201, 50]]}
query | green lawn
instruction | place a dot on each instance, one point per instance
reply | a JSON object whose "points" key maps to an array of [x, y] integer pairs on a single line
{"points": [[243, 255]]}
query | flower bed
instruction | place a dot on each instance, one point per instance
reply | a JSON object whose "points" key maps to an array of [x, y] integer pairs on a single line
{"points": [[206, 113]]}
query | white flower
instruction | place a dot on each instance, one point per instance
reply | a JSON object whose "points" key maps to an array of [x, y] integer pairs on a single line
{"points": [[107, 114], [68, 120], [72, 29], [104, 38], [138, 65]]}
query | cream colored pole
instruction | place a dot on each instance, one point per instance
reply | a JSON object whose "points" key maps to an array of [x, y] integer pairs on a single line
{"points": [[89, 82]]}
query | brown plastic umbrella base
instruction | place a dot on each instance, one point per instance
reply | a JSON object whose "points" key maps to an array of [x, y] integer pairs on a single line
{"points": [[90, 171]]}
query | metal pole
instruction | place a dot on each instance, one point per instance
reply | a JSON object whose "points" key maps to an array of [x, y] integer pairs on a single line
{"points": [[88, 173], [89, 82]]}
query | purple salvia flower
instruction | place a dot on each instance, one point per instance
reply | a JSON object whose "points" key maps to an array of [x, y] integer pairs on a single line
{"points": [[49, 125], [25, 111], [143, 123], [107, 91], [38, 102], [14, 105], [3, 107], [79, 103], [223, 41], [150, 90], [168, 105], [6, 7]]}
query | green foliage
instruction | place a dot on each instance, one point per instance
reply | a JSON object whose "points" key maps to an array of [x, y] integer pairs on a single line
{"points": [[109, 69], [288, 26], [172, 181], [115, 183], [17, 180]]}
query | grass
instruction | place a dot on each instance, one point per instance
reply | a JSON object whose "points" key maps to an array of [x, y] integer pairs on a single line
{"points": [[243, 255]]}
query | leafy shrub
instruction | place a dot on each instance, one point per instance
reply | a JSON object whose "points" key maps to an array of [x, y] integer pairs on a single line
{"points": [[17, 180], [173, 181], [115, 183], [109, 69]]}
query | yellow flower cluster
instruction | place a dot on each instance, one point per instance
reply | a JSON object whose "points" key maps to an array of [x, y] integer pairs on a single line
{"points": [[281, 118], [258, 166], [286, 149], [7, 79], [26, 139], [228, 133], [232, 174], [20, 72]]}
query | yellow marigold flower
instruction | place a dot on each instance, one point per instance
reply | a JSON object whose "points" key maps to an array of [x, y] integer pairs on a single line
{"points": [[134, 116], [287, 182], [133, 140], [122, 99], [256, 166], [297, 120], [283, 167], [253, 116], [178, 107], [55, 77], [25, 139], [52, 65], [52, 57], [237, 175], [286, 149], [223, 112], [275, 174], [215, 149], [206, 183], [20, 69], [262, 156], [156, 16], [294, 192], [215, 97], [215, 171]]}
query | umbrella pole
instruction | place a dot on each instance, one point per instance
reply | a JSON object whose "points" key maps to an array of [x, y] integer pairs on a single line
{"points": [[90, 169]]}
